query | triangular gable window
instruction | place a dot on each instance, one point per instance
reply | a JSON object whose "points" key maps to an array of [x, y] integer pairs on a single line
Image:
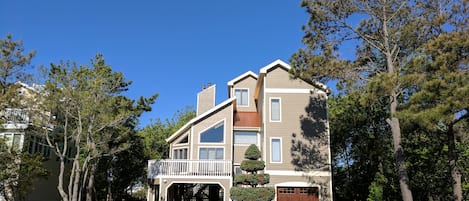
{"points": [[183, 140]]}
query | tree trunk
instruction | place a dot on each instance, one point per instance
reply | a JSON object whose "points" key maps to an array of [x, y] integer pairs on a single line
{"points": [[400, 159], [90, 186], [76, 180], [60, 186], [393, 121], [453, 159]]}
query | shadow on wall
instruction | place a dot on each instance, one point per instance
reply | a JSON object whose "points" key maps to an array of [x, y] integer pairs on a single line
{"points": [[309, 149]]}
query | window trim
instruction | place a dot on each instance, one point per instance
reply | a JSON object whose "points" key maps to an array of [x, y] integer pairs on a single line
{"points": [[237, 102], [279, 109], [208, 147], [280, 150], [211, 126]]}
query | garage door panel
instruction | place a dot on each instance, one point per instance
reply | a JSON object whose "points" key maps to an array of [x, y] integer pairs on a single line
{"points": [[297, 194]]}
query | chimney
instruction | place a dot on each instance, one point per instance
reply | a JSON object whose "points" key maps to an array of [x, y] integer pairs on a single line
{"points": [[206, 99]]}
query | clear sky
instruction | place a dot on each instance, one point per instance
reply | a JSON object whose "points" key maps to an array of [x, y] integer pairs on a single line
{"points": [[167, 47]]}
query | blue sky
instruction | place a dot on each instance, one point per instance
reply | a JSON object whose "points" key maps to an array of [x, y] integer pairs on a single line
{"points": [[167, 47]]}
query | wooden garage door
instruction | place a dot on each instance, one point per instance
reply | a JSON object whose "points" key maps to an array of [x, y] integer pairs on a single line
{"points": [[297, 194]]}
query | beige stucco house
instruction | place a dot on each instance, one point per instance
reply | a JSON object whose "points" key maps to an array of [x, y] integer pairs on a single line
{"points": [[286, 118]]}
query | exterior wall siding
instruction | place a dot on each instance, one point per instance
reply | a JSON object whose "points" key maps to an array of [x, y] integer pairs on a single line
{"points": [[225, 114], [250, 84], [278, 77]]}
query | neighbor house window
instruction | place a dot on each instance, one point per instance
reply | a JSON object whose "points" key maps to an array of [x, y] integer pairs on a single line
{"points": [[214, 134], [242, 97], [180, 153], [211, 153], [275, 109], [13, 140], [276, 150], [245, 137]]}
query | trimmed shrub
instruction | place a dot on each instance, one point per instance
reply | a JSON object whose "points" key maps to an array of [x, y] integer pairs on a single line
{"points": [[252, 194], [250, 191], [262, 179], [252, 152], [246, 179], [252, 166]]}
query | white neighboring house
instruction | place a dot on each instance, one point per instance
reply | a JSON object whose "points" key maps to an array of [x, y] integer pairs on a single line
{"points": [[16, 130]]}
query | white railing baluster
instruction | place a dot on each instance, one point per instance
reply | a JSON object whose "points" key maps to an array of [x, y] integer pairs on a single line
{"points": [[170, 167]]}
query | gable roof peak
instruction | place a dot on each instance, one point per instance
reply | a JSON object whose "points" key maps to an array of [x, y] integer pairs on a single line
{"points": [[275, 63], [249, 73]]}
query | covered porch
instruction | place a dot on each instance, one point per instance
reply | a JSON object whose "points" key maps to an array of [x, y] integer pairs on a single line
{"points": [[194, 180]]}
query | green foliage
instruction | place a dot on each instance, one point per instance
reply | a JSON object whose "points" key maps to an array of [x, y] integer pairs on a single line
{"points": [[19, 171], [92, 116], [410, 70], [252, 166], [252, 152], [18, 168], [252, 179], [13, 62], [252, 194], [154, 135]]}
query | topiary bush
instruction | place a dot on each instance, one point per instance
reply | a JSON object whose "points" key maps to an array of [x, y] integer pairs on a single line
{"points": [[252, 194], [252, 179], [252, 166], [249, 190], [252, 153]]}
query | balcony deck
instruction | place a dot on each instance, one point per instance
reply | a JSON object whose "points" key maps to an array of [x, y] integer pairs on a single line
{"points": [[13, 118], [189, 168]]}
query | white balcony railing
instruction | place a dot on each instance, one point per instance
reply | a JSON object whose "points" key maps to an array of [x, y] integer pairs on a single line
{"points": [[169, 167], [14, 118]]}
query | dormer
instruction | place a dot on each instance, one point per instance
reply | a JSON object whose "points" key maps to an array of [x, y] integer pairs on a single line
{"points": [[243, 87]]}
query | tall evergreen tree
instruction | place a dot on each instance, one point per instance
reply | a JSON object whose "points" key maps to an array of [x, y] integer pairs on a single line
{"points": [[388, 35], [438, 80], [89, 113]]}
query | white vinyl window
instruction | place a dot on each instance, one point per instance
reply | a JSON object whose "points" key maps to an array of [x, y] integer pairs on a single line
{"points": [[245, 137], [275, 110], [275, 150], [242, 97], [211, 153]]}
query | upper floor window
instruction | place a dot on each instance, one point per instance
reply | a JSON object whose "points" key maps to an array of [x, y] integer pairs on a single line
{"points": [[245, 137], [13, 140], [276, 150], [242, 97], [275, 110], [214, 134], [211, 153]]}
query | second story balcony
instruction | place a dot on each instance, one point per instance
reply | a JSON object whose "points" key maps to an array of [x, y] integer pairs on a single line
{"points": [[13, 118], [189, 168]]}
